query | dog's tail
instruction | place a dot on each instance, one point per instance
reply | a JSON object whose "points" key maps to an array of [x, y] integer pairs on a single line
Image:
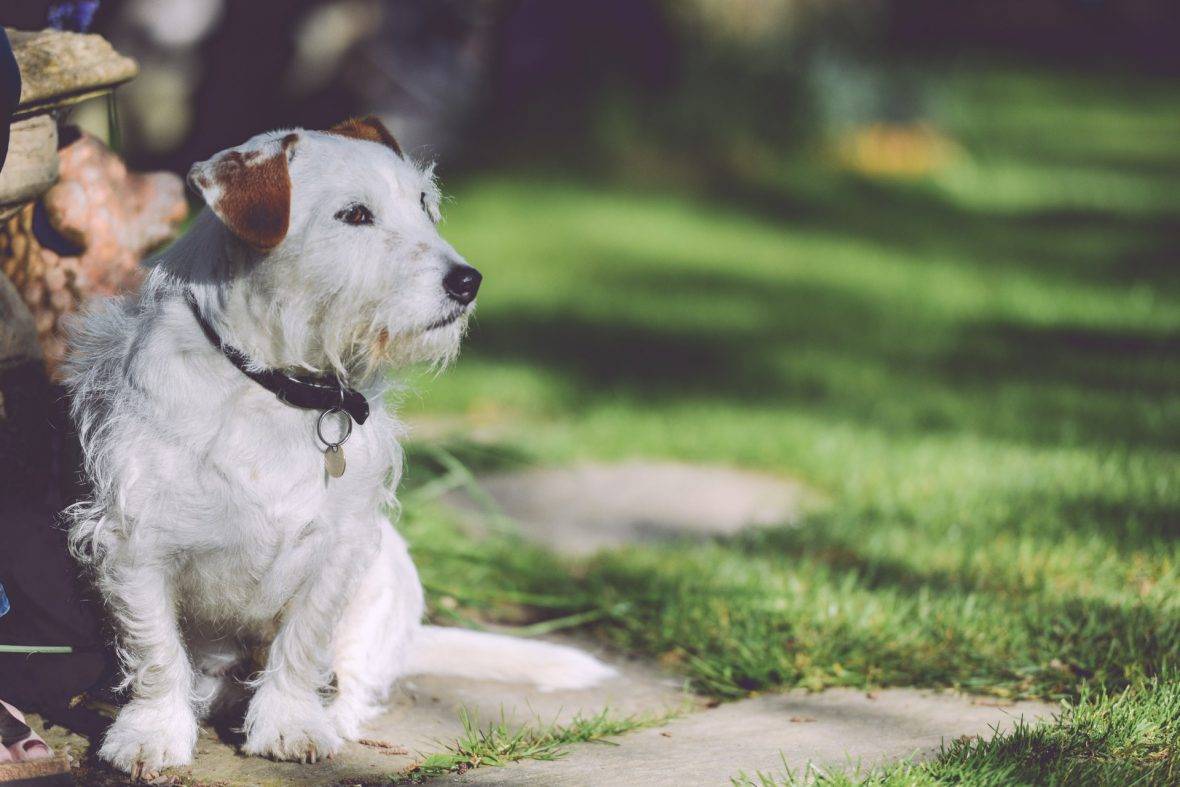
{"points": [[475, 654]]}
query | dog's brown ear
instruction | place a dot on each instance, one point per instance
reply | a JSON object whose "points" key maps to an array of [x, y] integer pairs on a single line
{"points": [[368, 128], [249, 188]]}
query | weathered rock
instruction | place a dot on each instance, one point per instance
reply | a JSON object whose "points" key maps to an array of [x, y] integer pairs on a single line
{"points": [[583, 509], [31, 166], [60, 68]]}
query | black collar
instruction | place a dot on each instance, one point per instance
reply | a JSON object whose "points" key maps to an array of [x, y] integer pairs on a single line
{"points": [[311, 392]]}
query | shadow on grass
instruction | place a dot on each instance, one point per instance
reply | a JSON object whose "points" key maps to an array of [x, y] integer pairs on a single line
{"points": [[828, 349], [1079, 357], [1082, 244]]}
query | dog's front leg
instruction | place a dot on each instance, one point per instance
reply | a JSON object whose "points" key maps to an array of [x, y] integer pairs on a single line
{"points": [[158, 727], [286, 718]]}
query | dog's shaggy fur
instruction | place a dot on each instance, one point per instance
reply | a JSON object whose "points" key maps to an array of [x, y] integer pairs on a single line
{"points": [[213, 530]]}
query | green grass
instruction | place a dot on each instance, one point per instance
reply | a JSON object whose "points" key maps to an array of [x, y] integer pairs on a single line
{"points": [[503, 743], [978, 373]]}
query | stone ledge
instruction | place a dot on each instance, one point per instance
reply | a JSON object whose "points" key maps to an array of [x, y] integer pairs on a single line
{"points": [[59, 69]]}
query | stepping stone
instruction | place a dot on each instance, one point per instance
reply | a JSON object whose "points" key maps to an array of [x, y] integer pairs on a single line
{"points": [[836, 730], [581, 510]]}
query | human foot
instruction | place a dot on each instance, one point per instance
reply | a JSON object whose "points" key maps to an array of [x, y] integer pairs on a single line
{"points": [[18, 742]]}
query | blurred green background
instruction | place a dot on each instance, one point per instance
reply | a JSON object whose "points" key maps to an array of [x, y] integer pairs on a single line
{"points": [[923, 257]]}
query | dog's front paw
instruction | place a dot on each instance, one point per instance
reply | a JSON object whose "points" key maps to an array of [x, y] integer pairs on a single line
{"points": [[148, 736], [289, 727]]}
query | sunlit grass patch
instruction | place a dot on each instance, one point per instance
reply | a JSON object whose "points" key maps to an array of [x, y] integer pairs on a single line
{"points": [[504, 742]]}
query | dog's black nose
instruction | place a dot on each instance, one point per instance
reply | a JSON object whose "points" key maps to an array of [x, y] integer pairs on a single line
{"points": [[462, 282]]}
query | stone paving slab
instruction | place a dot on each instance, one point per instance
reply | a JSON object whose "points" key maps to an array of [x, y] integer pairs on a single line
{"points": [[839, 729], [583, 509]]}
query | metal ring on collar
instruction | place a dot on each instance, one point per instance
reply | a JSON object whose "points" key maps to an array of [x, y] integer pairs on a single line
{"points": [[319, 427]]}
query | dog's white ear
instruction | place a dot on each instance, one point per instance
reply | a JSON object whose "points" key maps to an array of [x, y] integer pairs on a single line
{"points": [[369, 128], [249, 188]]}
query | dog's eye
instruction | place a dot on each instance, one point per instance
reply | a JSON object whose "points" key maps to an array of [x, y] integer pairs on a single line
{"points": [[357, 215], [426, 208]]}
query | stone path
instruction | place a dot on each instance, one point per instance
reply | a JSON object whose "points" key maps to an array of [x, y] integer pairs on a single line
{"points": [[840, 729], [578, 511], [583, 509], [836, 730]]}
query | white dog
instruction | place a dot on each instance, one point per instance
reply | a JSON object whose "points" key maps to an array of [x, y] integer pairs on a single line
{"points": [[227, 517]]}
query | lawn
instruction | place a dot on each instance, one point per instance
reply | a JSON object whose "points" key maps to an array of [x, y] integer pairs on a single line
{"points": [[978, 373]]}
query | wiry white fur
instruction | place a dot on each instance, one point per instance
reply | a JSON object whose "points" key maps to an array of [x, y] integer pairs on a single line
{"points": [[213, 530]]}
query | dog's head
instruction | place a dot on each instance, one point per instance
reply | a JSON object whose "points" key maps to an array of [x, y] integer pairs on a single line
{"points": [[339, 229]]}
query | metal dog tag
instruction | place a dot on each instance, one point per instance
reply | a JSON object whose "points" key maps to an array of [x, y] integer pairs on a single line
{"points": [[333, 454], [334, 461]]}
